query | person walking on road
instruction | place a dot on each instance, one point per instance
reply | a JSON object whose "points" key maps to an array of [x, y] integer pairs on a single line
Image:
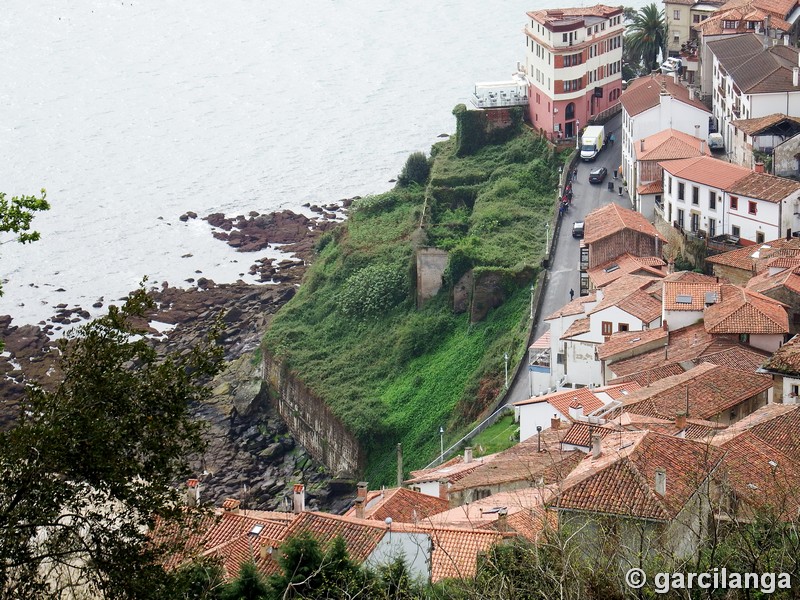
{"points": [[571, 294]]}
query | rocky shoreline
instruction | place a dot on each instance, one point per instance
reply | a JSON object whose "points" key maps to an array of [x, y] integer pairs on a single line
{"points": [[251, 455]]}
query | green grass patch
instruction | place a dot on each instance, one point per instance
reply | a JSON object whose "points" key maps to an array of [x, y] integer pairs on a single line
{"points": [[352, 333], [497, 437]]}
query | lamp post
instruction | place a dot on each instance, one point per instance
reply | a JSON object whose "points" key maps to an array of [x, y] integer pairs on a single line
{"points": [[532, 288], [505, 357], [547, 238], [441, 444], [577, 134]]}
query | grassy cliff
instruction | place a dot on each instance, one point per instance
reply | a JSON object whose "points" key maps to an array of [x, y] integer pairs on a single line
{"points": [[353, 334]]}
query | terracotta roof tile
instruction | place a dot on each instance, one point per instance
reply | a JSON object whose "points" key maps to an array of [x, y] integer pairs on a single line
{"points": [[578, 327], [752, 258], [648, 376], [712, 389], [777, 275], [786, 359], [626, 264], [401, 504], [753, 68], [561, 400], [764, 187], [685, 296], [759, 124], [483, 512], [744, 311], [622, 480], [451, 470], [361, 536], [644, 93], [706, 170], [575, 307], [629, 341], [612, 218], [580, 434], [623, 288], [737, 357], [455, 551], [654, 187], [669, 144]]}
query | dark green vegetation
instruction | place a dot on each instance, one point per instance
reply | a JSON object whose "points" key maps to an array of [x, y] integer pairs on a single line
{"points": [[91, 464], [353, 334], [645, 39]]}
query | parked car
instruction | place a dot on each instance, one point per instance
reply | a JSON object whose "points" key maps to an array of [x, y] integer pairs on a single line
{"points": [[598, 175], [577, 229], [671, 65]]}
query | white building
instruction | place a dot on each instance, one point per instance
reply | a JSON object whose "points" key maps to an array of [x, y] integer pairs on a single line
{"points": [[751, 80], [709, 197], [652, 104]]}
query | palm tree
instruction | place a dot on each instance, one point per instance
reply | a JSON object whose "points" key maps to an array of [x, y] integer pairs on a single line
{"points": [[647, 36]]}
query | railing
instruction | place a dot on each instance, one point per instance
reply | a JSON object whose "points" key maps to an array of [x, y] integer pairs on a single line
{"points": [[499, 101]]}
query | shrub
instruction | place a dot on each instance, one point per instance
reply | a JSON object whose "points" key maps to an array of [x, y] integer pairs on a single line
{"points": [[372, 291], [416, 170]]}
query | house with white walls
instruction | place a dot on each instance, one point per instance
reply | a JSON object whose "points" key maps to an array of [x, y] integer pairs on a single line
{"points": [[752, 79], [652, 104], [542, 412], [707, 197], [761, 135]]}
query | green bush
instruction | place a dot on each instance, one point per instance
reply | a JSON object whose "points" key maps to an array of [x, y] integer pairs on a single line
{"points": [[373, 291], [416, 170]]}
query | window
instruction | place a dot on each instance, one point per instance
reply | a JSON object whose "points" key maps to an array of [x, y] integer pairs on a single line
{"points": [[623, 327], [695, 195], [676, 15], [681, 190], [588, 31], [734, 203], [751, 24], [669, 185], [607, 327], [727, 24], [564, 37], [712, 227], [759, 237], [712, 200], [695, 18], [694, 221], [680, 218], [752, 208], [795, 391], [736, 231]]}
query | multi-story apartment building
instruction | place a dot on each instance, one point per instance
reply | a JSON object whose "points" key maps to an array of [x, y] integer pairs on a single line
{"points": [[752, 79], [574, 66], [681, 16]]}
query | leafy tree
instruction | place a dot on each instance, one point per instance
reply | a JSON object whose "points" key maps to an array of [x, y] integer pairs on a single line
{"points": [[200, 580], [416, 170], [249, 585], [647, 36], [90, 466]]}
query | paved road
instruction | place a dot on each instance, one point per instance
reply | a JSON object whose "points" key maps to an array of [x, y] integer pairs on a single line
{"points": [[564, 261]]}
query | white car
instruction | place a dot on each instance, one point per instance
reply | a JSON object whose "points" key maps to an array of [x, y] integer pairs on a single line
{"points": [[671, 65]]}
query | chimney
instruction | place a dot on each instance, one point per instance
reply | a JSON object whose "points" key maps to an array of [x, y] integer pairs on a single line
{"points": [[443, 487], [265, 551], [697, 131], [795, 76], [759, 167], [576, 410], [468, 455], [363, 487], [299, 499], [231, 505], [671, 266], [664, 326], [555, 423], [399, 465], [597, 449], [661, 482], [786, 39], [680, 421], [702, 146], [359, 504], [193, 492], [502, 519], [641, 145]]}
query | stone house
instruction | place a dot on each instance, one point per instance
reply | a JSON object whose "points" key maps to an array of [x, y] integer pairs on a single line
{"points": [[762, 134], [739, 265], [784, 367]]}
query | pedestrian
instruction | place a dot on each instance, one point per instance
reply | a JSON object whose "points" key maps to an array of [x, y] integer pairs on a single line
{"points": [[571, 294], [612, 138], [615, 173], [575, 174], [569, 197], [620, 190]]}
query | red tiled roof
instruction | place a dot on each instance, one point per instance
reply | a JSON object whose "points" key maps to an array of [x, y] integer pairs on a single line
{"points": [[578, 327], [744, 311], [580, 434], [669, 144], [648, 376], [542, 343], [401, 504], [561, 401], [361, 536], [706, 170], [626, 264], [786, 359], [612, 218], [764, 187], [752, 258], [696, 293], [654, 187], [575, 307], [737, 357], [628, 341], [759, 124], [711, 390], [644, 93], [622, 480], [788, 277], [455, 551], [451, 470]]}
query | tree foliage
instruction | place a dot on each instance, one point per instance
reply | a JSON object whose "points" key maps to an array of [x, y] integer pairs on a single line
{"points": [[416, 170], [249, 585], [647, 36], [91, 465]]}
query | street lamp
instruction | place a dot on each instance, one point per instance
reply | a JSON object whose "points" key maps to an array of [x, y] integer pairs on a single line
{"points": [[547, 238], [532, 288], [577, 134], [441, 444], [505, 357]]}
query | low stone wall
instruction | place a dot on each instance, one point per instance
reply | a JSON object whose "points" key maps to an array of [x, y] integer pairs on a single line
{"points": [[311, 421]]}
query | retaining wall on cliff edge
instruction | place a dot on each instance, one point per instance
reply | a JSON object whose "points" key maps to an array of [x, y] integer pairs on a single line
{"points": [[311, 420]]}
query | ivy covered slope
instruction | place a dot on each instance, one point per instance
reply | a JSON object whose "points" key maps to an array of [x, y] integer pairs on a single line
{"points": [[392, 372]]}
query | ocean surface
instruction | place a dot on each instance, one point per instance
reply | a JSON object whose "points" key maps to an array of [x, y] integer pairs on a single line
{"points": [[131, 113]]}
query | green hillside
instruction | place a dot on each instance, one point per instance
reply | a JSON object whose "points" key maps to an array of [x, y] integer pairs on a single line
{"points": [[353, 334]]}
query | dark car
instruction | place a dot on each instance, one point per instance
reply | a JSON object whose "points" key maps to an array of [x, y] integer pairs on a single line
{"points": [[598, 175], [577, 229]]}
